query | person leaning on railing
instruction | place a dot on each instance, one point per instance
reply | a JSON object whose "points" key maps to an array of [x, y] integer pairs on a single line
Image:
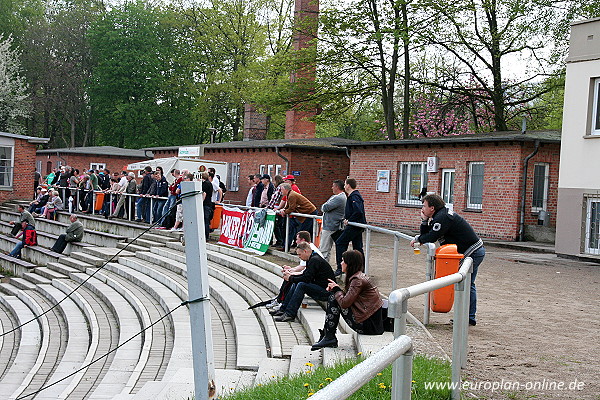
{"points": [[360, 305]]}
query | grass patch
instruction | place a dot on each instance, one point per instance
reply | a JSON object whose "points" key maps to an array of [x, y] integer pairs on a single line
{"points": [[302, 386]]}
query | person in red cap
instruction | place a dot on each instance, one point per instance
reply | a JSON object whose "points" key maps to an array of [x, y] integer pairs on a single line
{"points": [[292, 181]]}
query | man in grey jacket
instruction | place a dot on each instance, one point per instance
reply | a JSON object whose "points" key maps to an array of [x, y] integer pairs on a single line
{"points": [[74, 234], [333, 214], [25, 216]]}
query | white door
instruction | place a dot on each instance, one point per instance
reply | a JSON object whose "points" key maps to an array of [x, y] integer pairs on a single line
{"points": [[448, 187], [592, 228]]}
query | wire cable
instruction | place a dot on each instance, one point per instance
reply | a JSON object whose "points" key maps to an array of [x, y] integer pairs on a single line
{"points": [[36, 317]]}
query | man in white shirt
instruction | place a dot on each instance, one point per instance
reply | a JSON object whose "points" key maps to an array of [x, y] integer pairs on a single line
{"points": [[217, 191]]}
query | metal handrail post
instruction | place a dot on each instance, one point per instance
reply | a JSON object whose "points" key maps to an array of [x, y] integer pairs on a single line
{"points": [[315, 228], [151, 213], [459, 329], [286, 245], [465, 326], [93, 202], [429, 273], [367, 249], [399, 368], [395, 269]]}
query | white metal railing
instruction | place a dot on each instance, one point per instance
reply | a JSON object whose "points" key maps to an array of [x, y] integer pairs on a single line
{"points": [[400, 350], [73, 203]]}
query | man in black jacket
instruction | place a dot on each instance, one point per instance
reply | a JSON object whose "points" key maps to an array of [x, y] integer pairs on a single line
{"points": [[313, 282], [440, 223], [354, 212], [143, 203]]}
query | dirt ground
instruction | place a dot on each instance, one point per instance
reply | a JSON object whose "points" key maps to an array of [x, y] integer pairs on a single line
{"points": [[538, 322]]}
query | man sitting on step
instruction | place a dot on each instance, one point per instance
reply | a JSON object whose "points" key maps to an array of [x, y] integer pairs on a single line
{"points": [[29, 239], [301, 237], [74, 234], [24, 217], [313, 282]]}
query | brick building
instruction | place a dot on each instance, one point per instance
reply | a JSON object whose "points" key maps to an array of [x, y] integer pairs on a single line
{"points": [[16, 168], [480, 176], [315, 162], [84, 158]]}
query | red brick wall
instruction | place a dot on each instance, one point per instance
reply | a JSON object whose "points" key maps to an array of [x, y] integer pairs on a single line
{"points": [[82, 162], [22, 187], [317, 169], [499, 216]]}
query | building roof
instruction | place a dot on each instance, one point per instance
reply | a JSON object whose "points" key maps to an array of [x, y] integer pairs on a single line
{"points": [[511, 136], [331, 143], [101, 151], [30, 139]]}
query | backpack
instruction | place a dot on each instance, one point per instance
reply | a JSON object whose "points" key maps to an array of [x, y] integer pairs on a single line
{"points": [[30, 237], [222, 186]]}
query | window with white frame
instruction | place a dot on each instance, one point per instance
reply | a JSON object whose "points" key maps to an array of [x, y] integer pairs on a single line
{"points": [[592, 224], [262, 169], [6, 166], [97, 166], [412, 178], [475, 185], [233, 177], [541, 174], [278, 169], [596, 108]]}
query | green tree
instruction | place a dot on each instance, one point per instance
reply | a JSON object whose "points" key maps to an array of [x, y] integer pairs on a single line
{"points": [[14, 99]]}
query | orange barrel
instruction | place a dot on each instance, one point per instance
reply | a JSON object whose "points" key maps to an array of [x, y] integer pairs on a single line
{"points": [[317, 239], [447, 261], [99, 201], [216, 219]]}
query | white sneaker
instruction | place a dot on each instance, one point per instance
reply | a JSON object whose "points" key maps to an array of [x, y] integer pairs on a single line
{"points": [[272, 304]]}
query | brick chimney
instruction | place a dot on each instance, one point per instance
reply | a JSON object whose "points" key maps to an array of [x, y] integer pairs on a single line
{"points": [[306, 17], [256, 123]]}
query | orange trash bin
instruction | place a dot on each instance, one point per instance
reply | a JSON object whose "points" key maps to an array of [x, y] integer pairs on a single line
{"points": [[317, 239], [99, 201], [447, 262], [216, 219]]}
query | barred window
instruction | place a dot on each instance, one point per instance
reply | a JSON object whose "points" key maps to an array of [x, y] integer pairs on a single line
{"points": [[412, 179], [540, 186], [475, 185]]}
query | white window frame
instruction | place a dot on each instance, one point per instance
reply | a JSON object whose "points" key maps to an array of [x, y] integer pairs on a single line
{"points": [[97, 166], [588, 227], [470, 201], [595, 126], [278, 169], [262, 169], [448, 199], [546, 186], [9, 173], [233, 177], [404, 195]]}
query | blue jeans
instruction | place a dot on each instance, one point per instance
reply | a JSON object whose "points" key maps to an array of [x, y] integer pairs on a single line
{"points": [[297, 226], [142, 209], [17, 250], [157, 211], [350, 234], [169, 203], [477, 257], [293, 300]]}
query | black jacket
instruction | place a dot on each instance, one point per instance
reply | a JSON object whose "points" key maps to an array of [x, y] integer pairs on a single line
{"points": [[355, 208], [317, 271], [450, 228]]}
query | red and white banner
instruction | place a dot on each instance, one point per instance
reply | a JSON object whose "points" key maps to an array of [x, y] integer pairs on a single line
{"points": [[233, 226]]}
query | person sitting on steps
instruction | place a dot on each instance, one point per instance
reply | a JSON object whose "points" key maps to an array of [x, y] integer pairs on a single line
{"points": [[360, 305]]}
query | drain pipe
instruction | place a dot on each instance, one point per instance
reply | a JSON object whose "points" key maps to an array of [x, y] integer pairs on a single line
{"points": [[287, 162], [524, 191]]}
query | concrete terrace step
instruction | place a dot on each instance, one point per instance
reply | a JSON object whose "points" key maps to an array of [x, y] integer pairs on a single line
{"points": [[15, 266], [301, 356], [62, 268], [179, 318], [107, 253], [177, 286], [31, 342], [88, 258], [132, 316], [145, 242], [271, 368], [21, 283], [251, 346], [250, 296], [34, 254], [131, 247], [49, 273], [81, 345], [36, 279]]}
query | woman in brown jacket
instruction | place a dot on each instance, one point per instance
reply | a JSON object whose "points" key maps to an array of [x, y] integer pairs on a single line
{"points": [[360, 305]]}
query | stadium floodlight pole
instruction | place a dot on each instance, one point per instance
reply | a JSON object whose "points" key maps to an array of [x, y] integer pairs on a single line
{"points": [[198, 290]]}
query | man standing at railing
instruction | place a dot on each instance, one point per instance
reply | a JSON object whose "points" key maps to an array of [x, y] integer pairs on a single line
{"points": [[296, 203], [354, 212], [440, 223], [333, 215]]}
